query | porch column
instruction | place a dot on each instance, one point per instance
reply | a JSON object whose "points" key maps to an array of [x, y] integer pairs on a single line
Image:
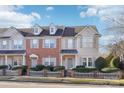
{"points": [[61, 60], [76, 61], [5, 59], [23, 59]]}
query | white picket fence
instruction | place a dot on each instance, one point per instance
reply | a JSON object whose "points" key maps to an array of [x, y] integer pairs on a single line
{"points": [[1, 72], [99, 75], [36, 73], [12, 73], [53, 74]]}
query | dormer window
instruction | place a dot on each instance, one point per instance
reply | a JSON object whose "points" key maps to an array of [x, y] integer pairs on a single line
{"points": [[37, 30], [52, 29]]}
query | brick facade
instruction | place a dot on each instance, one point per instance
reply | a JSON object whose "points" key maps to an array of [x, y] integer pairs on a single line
{"points": [[43, 52]]}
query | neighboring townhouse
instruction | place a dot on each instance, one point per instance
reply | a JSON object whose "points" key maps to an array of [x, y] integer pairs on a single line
{"points": [[49, 45]]}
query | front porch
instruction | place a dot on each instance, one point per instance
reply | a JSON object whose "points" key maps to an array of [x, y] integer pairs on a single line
{"points": [[69, 58], [12, 57], [69, 61]]}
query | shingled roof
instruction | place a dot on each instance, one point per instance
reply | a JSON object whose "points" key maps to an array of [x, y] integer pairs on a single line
{"points": [[61, 31]]}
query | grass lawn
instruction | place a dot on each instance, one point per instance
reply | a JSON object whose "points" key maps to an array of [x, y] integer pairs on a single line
{"points": [[71, 80]]}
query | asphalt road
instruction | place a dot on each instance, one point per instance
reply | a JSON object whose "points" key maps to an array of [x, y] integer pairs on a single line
{"points": [[5, 84]]}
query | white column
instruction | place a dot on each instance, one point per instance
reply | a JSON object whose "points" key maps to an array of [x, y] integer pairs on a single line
{"points": [[61, 60], [5, 59], [76, 61], [23, 59]]}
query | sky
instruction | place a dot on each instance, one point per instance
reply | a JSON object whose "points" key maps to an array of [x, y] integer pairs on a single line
{"points": [[69, 15]]}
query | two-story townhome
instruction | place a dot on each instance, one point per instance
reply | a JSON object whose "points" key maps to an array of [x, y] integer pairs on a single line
{"points": [[12, 47], [49, 45]]}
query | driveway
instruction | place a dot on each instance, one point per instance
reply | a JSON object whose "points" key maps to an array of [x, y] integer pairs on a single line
{"points": [[5, 84]]}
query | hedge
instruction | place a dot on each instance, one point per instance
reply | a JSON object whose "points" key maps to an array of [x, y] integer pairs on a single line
{"points": [[84, 70], [109, 70]]}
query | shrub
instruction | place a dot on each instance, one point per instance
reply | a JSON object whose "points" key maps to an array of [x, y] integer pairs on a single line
{"points": [[121, 65], [85, 70], [100, 63], [109, 59], [109, 70], [3, 66], [24, 69], [50, 68], [39, 67], [58, 68], [80, 66], [16, 67], [115, 62]]}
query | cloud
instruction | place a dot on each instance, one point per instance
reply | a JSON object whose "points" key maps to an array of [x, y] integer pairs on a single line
{"points": [[36, 15], [9, 16], [50, 8], [106, 39], [102, 11]]}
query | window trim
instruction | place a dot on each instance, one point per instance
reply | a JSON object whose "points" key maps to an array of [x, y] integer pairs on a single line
{"points": [[87, 61], [87, 41], [49, 43], [31, 43], [49, 58]]}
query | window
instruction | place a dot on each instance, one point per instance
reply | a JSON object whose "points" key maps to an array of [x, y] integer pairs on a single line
{"points": [[36, 30], [50, 61], [18, 44], [89, 62], [84, 61], [4, 44], [49, 43], [70, 44], [52, 30], [87, 41], [34, 43]]}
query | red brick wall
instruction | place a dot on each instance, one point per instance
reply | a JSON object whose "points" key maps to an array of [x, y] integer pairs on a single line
{"points": [[43, 52]]}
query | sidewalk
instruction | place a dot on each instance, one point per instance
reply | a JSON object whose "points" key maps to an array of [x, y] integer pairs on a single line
{"points": [[62, 80]]}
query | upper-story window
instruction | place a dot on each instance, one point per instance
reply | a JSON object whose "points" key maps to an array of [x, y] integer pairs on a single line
{"points": [[52, 29], [4, 44], [18, 44], [37, 30], [70, 43], [87, 41], [50, 43], [34, 43]]}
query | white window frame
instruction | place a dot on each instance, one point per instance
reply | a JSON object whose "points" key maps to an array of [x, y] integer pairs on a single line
{"points": [[49, 42], [87, 41], [4, 44], [18, 44], [35, 45], [49, 60], [87, 61], [70, 43]]}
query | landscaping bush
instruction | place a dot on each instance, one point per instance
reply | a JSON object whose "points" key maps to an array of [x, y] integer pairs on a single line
{"points": [[16, 67], [39, 67], [50, 68], [116, 62], [109, 59], [3, 66], [109, 70], [100, 63], [58, 68], [24, 69], [121, 65], [84, 70], [80, 66]]}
